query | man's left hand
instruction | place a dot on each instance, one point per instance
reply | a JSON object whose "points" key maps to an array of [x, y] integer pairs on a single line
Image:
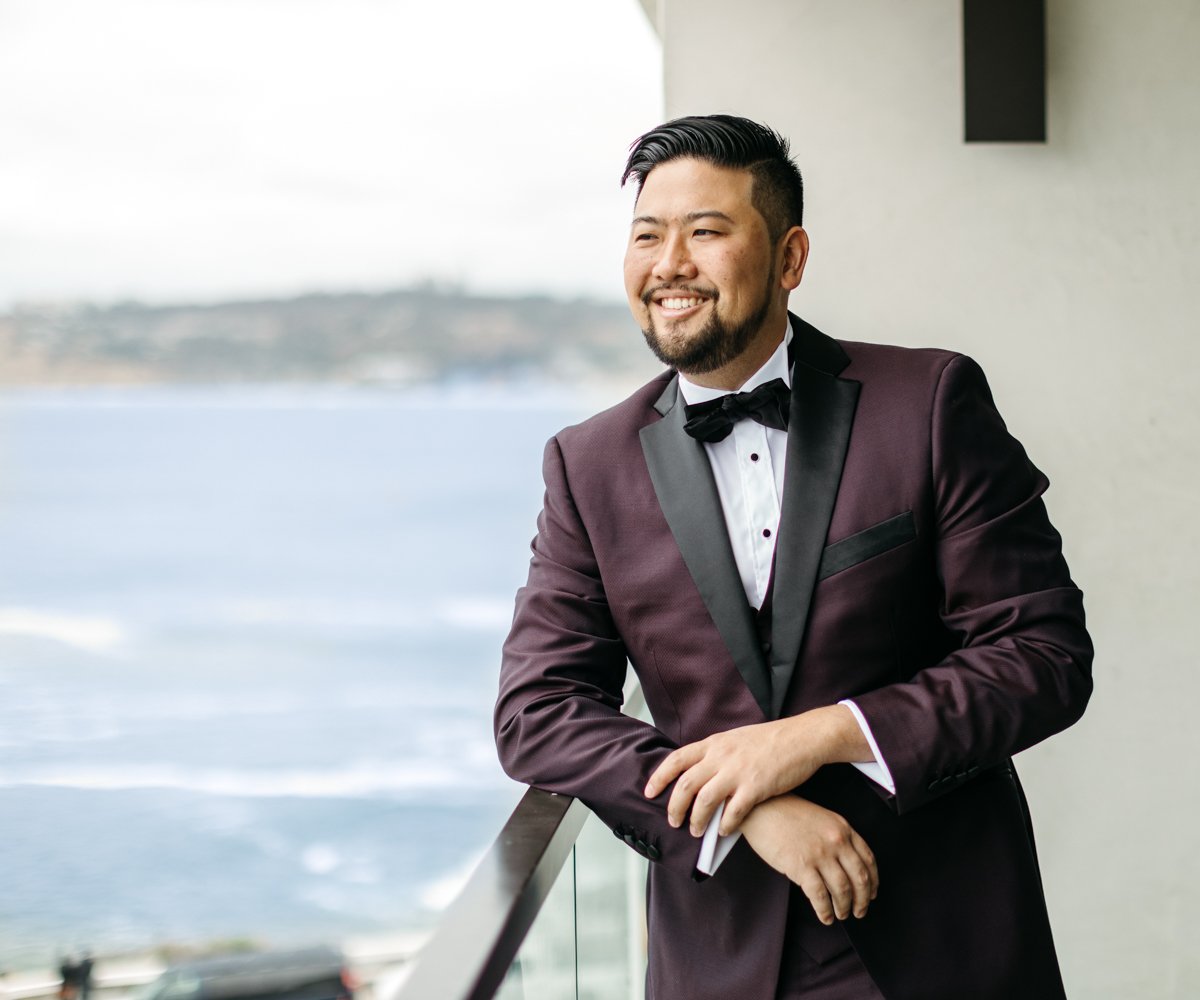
{"points": [[743, 767]]}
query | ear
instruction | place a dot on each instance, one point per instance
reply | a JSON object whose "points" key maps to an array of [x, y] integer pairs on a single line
{"points": [[794, 253]]}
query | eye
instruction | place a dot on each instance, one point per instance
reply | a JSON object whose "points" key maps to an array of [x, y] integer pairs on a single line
{"points": [[643, 237], [705, 232]]}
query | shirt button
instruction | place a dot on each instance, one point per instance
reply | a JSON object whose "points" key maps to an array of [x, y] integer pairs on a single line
{"points": [[754, 456], [766, 532]]}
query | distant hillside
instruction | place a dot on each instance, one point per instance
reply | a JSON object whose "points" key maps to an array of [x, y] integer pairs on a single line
{"points": [[408, 335]]}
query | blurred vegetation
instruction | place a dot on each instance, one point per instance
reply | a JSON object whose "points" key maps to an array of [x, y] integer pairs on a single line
{"points": [[408, 335], [173, 953]]}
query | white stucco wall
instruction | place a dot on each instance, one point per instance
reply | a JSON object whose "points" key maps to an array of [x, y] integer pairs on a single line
{"points": [[1070, 271]]}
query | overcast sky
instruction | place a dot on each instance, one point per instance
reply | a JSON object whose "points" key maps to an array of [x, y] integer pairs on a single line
{"points": [[203, 149]]}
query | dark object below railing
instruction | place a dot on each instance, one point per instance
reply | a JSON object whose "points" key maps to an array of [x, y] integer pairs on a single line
{"points": [[480, 934]]}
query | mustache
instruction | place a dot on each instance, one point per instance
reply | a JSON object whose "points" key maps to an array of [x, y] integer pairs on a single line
{"points": [[708, 293]]}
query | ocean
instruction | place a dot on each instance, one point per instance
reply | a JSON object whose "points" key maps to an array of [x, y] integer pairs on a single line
{"points": [[249, 638]]}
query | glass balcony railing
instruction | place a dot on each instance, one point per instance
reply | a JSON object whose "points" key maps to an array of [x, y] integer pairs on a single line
{"points": [[555, 911]]}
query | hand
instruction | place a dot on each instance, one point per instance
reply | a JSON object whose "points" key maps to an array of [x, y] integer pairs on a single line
{"points": [[743, 767], [818, 851]]}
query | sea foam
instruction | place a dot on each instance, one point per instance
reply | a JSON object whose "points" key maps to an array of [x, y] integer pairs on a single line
{"points": [[373, 779], [91, 633]]}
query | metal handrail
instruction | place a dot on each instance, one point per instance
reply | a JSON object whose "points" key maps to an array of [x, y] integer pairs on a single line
{"points": [[477, 940]]}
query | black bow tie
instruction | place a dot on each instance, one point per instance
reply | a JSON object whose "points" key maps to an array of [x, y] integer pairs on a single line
{"points": [[769, 404]]}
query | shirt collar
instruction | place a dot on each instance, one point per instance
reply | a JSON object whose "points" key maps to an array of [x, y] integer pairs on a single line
{"points": [[776, 366]]}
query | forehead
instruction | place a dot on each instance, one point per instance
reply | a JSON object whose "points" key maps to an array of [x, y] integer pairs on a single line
{"points": [[686, 186]]}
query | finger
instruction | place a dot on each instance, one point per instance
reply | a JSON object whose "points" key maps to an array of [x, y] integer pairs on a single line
{"points": [[814, 889], [686, 787], [840, 889], [737, 808], [705, 804], [868, 858], [673, 765], [732, 817], [860, 883], [742, 800]]}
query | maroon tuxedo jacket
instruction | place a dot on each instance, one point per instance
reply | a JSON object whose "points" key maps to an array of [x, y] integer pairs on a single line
{"points": [[915, 571]]}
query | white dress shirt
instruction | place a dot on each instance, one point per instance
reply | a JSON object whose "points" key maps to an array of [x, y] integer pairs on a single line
{"points": [[748, 467]]}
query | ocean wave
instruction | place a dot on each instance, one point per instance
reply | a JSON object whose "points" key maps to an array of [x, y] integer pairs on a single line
{"points": [[363, 780], [482, 613], [476, 613], [91, 633], [325, 860], [98, 633], [321, 859]]}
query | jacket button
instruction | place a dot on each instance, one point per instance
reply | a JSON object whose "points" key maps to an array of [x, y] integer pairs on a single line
{"points": [[631, 840], [619, 833], [653, 853]]}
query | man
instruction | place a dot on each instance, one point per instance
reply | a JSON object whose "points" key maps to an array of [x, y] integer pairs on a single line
{"points": [[830, 567], [84, 975], [68, 972]]}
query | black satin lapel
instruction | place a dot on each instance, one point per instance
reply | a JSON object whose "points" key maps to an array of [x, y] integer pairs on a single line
{"points": [[687, 494], [819, 432]]}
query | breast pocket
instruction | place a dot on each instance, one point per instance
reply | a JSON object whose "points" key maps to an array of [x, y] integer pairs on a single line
{"points": [[868, 543]]}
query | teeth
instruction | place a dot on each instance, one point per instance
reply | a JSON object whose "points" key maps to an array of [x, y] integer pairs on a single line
{"points": [[680, 303]]}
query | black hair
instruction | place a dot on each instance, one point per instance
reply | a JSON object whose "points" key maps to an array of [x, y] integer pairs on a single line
{"points": [[728, 141]]}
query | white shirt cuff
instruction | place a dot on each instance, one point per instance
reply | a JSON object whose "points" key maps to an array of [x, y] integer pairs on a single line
{"points": [[877, 769], [714, 848]]}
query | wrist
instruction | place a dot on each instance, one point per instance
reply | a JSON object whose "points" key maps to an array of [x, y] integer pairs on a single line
{"points": [[760, 816], [840, 739]]}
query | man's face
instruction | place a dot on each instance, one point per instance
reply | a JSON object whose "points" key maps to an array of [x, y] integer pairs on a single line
{"points": [[699, 268]]}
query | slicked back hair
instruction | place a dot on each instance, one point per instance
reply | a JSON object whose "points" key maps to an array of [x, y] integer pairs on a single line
{"points": [[728, 141]]}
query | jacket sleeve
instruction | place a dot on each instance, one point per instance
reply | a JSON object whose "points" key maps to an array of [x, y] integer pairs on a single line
{"points": [[1022, 670], [558, 719]]}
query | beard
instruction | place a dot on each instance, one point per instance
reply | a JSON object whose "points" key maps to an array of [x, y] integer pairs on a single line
{"points": [[715, 345]]}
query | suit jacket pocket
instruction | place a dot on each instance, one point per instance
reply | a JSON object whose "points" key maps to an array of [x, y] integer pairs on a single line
{"points": [[870, 542]]}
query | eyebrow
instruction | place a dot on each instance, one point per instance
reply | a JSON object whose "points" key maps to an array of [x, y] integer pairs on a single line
{"points": [[708, 213]]}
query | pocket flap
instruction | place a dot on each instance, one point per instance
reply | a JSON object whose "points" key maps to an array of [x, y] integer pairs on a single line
{"points": [[872, 541]]}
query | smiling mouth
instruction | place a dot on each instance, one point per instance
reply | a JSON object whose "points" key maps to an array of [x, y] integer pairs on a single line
{"points": [[676, 302], [679, 303]]}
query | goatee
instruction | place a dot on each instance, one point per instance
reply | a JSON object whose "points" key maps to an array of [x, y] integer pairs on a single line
{"points": [[715, 345]]}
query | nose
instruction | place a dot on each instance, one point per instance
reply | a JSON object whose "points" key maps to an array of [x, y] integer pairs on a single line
{"points": [[673, 260]]}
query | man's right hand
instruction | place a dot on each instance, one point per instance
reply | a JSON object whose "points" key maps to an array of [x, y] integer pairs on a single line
{"points": [[818, 851]]}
